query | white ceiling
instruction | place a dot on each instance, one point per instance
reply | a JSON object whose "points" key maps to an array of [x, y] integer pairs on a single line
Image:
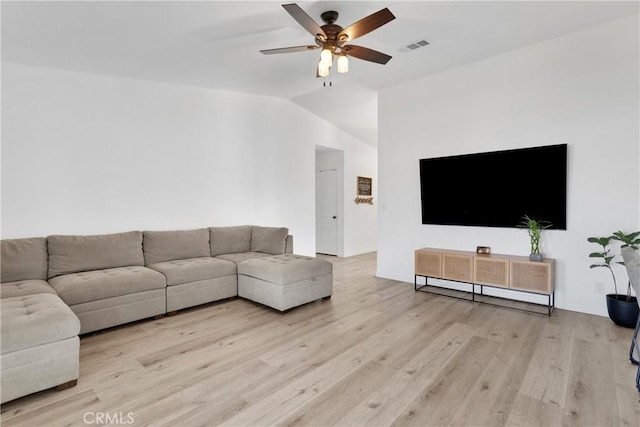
{"points": [[215, 44]]}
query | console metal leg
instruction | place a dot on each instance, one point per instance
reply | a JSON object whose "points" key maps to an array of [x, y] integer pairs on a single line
{"points": [[424, 288], [634, 342]]}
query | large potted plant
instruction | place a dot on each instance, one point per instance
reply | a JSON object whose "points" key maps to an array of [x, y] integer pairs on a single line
{"points": [[622, 308], [534, 227]]}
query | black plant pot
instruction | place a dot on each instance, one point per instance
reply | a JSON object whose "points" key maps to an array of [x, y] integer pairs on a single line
{"points": [[623, 312]]}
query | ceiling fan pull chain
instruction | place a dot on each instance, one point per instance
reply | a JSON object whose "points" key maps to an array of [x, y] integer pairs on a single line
{"points": [[324, 82]]}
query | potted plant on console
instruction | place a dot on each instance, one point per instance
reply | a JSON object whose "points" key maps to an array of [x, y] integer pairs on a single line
{"points": [[622, 308], [534, 228]]}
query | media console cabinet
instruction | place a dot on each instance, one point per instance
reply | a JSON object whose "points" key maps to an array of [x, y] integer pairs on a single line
{"points": [[513, 273]]}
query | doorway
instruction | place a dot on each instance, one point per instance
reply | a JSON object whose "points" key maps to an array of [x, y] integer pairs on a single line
{"points": [[329, 166]]}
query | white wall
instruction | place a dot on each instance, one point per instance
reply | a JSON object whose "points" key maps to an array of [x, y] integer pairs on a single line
{"points": [[88, 154], [581, 89]]}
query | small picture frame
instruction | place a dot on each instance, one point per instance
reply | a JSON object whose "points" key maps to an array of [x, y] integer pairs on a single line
{"points": [[364, 186]]}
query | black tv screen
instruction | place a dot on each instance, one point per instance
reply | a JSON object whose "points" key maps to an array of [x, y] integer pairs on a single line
{"points": [[496, 189]]}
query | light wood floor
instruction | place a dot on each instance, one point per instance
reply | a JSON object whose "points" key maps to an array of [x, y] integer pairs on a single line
{"points": [[377, 354]]}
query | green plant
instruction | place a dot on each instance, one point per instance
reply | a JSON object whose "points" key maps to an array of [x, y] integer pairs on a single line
{"points": [[534, 228], [607, 256], [631, 240]]}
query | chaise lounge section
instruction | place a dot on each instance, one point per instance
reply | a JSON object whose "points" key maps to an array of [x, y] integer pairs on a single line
{"points": [[39, 337]]}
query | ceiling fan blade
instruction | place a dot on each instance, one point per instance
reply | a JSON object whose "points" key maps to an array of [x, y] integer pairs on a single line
{"points": [[366, 54], [366, 25], [289, 49], [305, 20]]}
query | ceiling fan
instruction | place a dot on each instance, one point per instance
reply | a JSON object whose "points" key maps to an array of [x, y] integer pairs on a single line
{"points": [[333, 40]]}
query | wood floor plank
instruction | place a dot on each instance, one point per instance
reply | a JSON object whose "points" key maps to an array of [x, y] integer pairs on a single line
{"points": [[327, 410], [439, 401], [327, 346], [489, 400], [547, 376], [442, 315], [283, 402], [386, 404], [592, 328], [69, 411], [624, 373], [591, 394], [527, 411], [207, 414]]}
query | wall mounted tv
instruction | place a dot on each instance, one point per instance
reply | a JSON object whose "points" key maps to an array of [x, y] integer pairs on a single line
{"points": [[496, 189]]}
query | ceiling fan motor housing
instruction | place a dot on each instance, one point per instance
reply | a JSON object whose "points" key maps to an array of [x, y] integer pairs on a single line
{"points": [[331, 31], [329, 17]]}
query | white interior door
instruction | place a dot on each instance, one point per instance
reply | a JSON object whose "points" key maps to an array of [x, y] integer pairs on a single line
{"points": [[327, 212]]}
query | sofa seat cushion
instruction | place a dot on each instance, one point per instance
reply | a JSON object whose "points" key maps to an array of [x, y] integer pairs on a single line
{"points": [[95, 285], [283, 269], [244, 256], [190, 270], [25, 287], [34, 320]]}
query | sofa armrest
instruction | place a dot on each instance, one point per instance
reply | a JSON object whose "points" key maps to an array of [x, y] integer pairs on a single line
{"points": [[288, 246]]}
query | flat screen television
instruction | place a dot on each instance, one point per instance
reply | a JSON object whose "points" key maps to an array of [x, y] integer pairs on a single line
{"points": [[496, 189]]}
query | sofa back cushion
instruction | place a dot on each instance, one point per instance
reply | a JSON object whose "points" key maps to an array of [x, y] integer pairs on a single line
{"points": [[72, 254], [161, 246], [270, 240], [24, 259], [230, 240]]}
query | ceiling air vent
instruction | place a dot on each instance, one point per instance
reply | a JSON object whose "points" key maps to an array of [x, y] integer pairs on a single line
{"points": [[414, 46]]}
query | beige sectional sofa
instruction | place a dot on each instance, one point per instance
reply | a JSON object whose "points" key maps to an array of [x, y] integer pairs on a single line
{"points": [[82, 284]]}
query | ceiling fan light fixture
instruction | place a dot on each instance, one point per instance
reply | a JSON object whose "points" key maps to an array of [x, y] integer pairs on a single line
{"points": [[323, 69], [326, 56], [343, 63]]}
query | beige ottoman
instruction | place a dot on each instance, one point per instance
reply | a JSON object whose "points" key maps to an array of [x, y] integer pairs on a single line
{"points": [[40, 345], [285, 281]]}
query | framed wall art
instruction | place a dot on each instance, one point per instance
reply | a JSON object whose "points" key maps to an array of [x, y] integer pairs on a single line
{"points": [[364, 186]]}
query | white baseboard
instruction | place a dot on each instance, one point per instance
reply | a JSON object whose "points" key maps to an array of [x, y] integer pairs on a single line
{"points": [[359, 252], [587, 309]]}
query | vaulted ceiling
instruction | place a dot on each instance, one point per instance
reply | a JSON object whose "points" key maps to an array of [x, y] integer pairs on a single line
{"points": [[216, 44]]}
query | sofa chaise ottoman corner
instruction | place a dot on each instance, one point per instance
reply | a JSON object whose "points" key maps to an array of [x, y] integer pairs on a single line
{"points": [[40, 345], [285, 281]]}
